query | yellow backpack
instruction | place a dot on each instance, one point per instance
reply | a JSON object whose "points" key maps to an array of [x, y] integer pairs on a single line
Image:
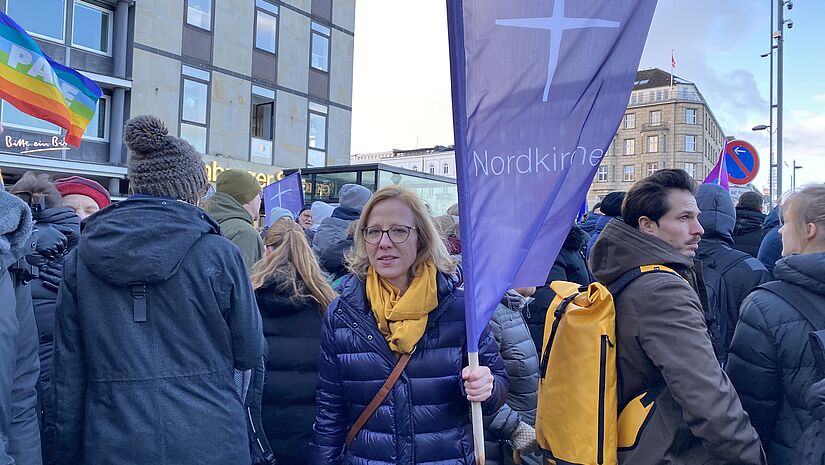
{"points": [[577, 421]]}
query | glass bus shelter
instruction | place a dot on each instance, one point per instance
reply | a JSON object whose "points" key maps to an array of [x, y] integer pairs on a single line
{"points": [[324, 183]]}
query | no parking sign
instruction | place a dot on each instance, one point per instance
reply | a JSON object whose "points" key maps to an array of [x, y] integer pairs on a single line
{"points": [[742, 162]]}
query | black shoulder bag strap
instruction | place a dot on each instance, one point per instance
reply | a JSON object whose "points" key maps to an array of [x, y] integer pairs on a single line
{"points": [[795, 296]]}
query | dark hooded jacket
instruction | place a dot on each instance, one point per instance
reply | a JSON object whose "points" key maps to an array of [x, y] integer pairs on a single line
{"points": [[740, 272], [424, 419], [292, 328], [771, 362], [771, 248], [570, 265], [155, 315], [333, 230], [58, 233], [747, 233], [522, 364], [662, 341], [600, 224], [19, 364], [589, 225]]}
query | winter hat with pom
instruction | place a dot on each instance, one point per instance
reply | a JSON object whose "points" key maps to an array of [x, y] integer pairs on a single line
{"points": [[162, 165]]}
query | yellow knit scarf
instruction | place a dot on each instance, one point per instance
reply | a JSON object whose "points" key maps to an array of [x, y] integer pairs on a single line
{"points": [[402, 319]]}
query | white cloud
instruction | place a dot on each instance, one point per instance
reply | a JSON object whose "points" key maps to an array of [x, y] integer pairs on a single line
{"points": [[819, 98]]}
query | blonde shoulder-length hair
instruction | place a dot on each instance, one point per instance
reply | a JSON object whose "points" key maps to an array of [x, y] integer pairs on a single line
{"points": [[291, 265], [430, 244]]}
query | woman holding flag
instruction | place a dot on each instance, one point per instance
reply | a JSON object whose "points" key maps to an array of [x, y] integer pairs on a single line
{"points": [[393, 384]]}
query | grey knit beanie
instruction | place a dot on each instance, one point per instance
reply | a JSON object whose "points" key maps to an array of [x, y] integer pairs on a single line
{"points": [[160, 164]]}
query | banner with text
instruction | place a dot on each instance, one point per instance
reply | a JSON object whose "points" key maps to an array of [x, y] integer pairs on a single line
{"points": [[539, 89]]}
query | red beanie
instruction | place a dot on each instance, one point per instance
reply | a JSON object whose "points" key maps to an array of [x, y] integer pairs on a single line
{"points": [[83, 186]]}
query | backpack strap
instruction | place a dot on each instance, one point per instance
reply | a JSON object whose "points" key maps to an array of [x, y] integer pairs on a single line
{"points": [[628, 277], [378, 399], [138, 291], [795, 296]]}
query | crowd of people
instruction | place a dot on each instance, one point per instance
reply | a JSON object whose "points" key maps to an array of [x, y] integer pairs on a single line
{"points": [[168, 328]]}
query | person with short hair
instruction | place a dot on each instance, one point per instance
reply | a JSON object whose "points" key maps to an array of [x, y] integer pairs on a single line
{"points": [[236, 206], [663, 345], [157, 326], [771, 362], [400, 303], [84, 196], [748, 231]]}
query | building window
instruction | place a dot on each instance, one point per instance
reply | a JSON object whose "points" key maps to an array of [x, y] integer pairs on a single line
{"points": [[199, 13], [691, 169], [431, 169], [690, 116], [629, 173], [92, 28], [630, 146], [317, 135], [194, 103], [652, 168], [41, 18], [445, 169], [630, 121], [98, 126], [601, 174], [13, 117], [652, 144], [656, 118], [266, 26], [263, 113], [690, 143], [320, 47]]}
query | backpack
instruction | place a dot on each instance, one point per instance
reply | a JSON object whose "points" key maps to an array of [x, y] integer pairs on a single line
{"points": [[720, 323], [576, 419]]}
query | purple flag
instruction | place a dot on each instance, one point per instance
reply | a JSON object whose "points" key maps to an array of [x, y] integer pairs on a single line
{"points": [[287, 193], [539, 89], [719, 173]]}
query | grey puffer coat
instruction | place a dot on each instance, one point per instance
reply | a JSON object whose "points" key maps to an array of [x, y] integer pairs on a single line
{"points": [[522, 364]]}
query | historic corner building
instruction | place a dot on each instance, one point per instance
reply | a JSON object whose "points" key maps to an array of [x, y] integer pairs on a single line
{"points": [[663, 127], [260, 85]]}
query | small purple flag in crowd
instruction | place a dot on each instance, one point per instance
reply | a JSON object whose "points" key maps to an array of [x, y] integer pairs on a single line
{"points": [[538, 90], [287, 193], [719, 173]]}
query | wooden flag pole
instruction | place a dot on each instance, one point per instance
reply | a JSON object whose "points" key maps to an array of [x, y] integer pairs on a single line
{"points": [[478, 420]]}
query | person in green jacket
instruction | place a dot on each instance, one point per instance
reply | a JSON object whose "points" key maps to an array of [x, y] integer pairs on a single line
{"points": [[236, 205]]}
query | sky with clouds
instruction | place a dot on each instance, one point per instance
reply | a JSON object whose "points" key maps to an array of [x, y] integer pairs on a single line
{"points": [[401, 89]]}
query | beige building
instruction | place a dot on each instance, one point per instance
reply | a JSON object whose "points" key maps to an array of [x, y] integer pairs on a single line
{"points": [[438, 160], [260, 85], [663, 127]]}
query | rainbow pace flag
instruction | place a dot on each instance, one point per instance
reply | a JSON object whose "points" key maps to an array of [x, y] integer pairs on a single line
{"points": [[37, 85]]}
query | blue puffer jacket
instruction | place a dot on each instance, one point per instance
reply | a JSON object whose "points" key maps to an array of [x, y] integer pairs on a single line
{"points": [[771, 248], [425, 418]]}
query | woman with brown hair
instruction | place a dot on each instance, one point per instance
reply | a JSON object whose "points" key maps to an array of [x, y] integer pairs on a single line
{"points": [[400, 323], [772, 364], [292, 294]]}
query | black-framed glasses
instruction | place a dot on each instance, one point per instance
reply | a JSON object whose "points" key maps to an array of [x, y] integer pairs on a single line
{"points": [[397, 234]]}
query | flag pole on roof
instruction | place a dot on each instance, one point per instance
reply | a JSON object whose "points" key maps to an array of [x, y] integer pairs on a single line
{"points": [[538, 94]]}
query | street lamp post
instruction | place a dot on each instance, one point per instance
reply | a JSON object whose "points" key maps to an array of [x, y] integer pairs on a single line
{"points": [[793, 180], [779, 36]]}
